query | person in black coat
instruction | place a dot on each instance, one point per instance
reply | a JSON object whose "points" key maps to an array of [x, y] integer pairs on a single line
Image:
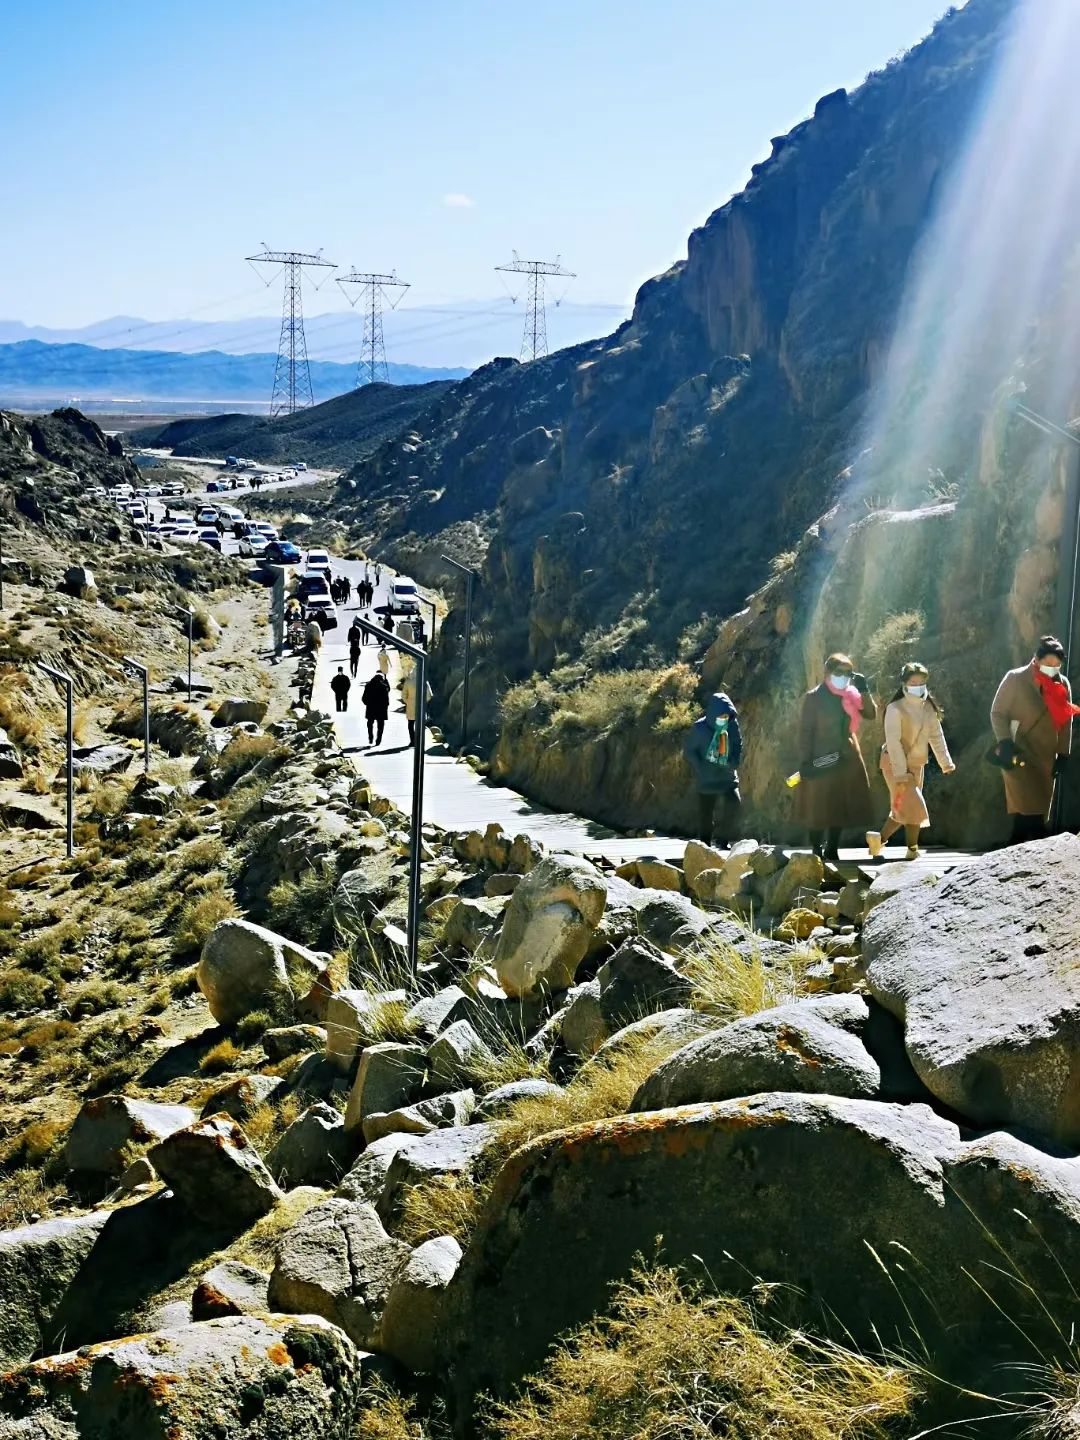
{"points": [[341, 684], [376, 698], [713, 749]]}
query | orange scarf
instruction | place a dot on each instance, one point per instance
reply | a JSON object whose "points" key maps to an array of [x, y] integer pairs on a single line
{"points": [[1056, 698]]}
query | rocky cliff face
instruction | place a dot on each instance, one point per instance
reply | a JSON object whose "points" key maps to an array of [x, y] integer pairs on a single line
{"points": [[638, 488]]}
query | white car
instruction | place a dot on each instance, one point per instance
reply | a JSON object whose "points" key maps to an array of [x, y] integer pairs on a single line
{"points": [[318, 560], [120, 492], [95, 492], [404, 597], [300, 465], [173, 487], [206, 516], [266, 530], [322, 609], [253, 546], [184, 535]]}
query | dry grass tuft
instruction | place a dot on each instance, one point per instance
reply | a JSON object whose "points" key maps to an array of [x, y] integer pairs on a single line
{"points": [[728, 985], [671, 1362], [388, 1416], [224, 1056], [198, 918]]}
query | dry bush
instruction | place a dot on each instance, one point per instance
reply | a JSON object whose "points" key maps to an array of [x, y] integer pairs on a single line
{"points": [[510, 1062], [891, 645], [387, 1415], [224, 1056], [245, 752], [727, 984], [672, 1362], [198, 918], [266, 1122]]}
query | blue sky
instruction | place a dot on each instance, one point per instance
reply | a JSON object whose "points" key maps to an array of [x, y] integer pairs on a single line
{"points": [[148, 147]]}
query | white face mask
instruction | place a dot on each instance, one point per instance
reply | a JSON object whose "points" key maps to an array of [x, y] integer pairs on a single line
{"points": [[917, 691], [1050, 669], [840, 682]]}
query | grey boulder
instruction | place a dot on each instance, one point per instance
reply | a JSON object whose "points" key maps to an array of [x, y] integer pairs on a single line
{"points": [[548, 924], [245, 967], [37, 1264], [216, 1173], [109, 1129], [316, 1149]]}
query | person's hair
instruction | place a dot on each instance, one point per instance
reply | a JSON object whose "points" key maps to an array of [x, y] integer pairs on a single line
{"points": [[1050, 645], [913, 667], [839, 662]]}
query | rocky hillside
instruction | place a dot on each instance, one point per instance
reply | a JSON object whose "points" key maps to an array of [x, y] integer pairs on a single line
{"points": [[337, 432], [624, 497]]}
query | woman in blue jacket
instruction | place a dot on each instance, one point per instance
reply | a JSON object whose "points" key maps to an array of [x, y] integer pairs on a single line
{"points": [[713, 749]]}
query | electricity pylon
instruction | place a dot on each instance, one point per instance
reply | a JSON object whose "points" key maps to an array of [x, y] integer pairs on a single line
{"points": [[292, 374], [534, 341], [372, 291]]}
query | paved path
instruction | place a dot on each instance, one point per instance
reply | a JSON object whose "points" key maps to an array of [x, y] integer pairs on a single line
{"points": [[456, 798]]}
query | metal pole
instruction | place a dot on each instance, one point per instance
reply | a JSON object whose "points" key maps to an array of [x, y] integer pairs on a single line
{"points": [[68, 685], [470, 576], [431, 632], [145, 674], [1, 569], [416, 839], [190, 623]]}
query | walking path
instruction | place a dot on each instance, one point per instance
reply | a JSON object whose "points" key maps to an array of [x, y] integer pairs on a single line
{"points": [[457, 798]]}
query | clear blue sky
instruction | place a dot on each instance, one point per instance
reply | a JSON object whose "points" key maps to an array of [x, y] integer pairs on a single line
{"points": [[149, 145]]}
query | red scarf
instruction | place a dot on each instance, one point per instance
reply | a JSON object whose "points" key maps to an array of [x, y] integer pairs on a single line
{"points": [[1056, 698], [852, 703]]}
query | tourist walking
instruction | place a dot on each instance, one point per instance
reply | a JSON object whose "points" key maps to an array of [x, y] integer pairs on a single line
{"points": [[912, 732], [384, 659], [341, 684], [713, 749], [354, 648], [1032, 717], [834, 793], [376, 700], [346, 589], [408, 694], [378, 575]]}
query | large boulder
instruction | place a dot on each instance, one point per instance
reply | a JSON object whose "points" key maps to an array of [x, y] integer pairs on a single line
{"points": [[361, 893], [351, 1016], [500, 1101], [11, 767], [316, 1149], [875, 1215], [337, 1261], [109, 1129], [245, 967], [457, 1056], [367, 1178], [245, 1377], [215, 1171], [548, 924], [99, 760], [816, 1046], [436, 1113], [230, 1288], [389, 1076], [243, 1096], [237, 711], [37, 1264], [803, 875], [413, 1319], [981, 970], [424, 1158], [79, 580]]}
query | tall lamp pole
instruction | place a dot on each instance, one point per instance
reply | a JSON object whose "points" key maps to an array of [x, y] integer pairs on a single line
{"points": [[470, 576], [144, 673], [68, 684], [190, 624]]}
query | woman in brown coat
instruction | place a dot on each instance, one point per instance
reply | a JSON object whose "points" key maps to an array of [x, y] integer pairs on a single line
{"points": [[1032, 717], [834, 793]]}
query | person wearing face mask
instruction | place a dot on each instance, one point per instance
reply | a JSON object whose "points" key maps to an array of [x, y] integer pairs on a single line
{"points": [[912, 731], [713, 749], [835, 792], [1032, 717]]}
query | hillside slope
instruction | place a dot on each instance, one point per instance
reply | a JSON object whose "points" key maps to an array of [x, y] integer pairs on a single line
{"points": [[635, 490], [337, 432]]}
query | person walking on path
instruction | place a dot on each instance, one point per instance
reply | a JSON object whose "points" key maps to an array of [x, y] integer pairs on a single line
{"points": [[378, 575], [834, 793], [713, 749], [354, 649], [341, 684], [912, 731], [376, 699], [346, 589], [384, 659], [1032, 717], [408, 695]]}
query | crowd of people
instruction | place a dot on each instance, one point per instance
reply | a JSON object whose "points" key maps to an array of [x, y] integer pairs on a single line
{"points": [[1031, 718]]}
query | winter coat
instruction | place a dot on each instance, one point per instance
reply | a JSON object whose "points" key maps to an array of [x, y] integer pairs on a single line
{"points": [[384, 662], [1019, 714], [408, 694], [839, 797], [912, 730], [376, 697], [355, 637], [340, 685], [710, 777]]}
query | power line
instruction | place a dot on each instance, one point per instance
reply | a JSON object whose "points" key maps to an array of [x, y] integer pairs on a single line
{"points": [[372, 289], [534, 341], [292, 375]]}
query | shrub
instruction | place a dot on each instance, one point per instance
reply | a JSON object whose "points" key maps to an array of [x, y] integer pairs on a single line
{"points": [[672, 1362], [244, 753], [301, 910], [35, 1144], [727, 984], [224, 1056], [250, 1026], [21, 990], [896, 641], [198, 918]]}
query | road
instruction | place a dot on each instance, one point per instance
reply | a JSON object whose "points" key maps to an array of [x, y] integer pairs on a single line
{"points": [[212, 469]]}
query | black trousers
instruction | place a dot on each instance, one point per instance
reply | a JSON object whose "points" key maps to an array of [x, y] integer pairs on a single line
{"points": [[354, 661], [342, 702], [412, 732], [826, 843], [719, 815], [1028, 827], [376, 724]]}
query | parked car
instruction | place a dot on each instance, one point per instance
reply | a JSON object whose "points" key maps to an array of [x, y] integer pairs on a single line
{"points": [[322, 609], [318, 560], [95, 492], [211, 538], [206, 515], [121, 491], [173, 487], [281, 552], [252, 547], [299, 465], [267, 530], [312, 582], [404, 597], [185, 535]]}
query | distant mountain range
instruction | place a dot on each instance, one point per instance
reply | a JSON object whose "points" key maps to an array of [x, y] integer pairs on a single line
{"points": [[33, 373]]}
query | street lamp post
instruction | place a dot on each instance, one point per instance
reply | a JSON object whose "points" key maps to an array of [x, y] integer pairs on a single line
{"points": [[1, 569], [69, 687], [419, 655], [190, 624], [142, 671], [470, 576]]}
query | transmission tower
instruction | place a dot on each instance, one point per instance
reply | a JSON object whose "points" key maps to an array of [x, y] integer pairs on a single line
{"points": [[292, 374], [373, 289], [534, 341]]}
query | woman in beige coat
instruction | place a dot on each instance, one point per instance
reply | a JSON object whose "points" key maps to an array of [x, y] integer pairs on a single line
{"points": [[912, 731], [1032, 717]]}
